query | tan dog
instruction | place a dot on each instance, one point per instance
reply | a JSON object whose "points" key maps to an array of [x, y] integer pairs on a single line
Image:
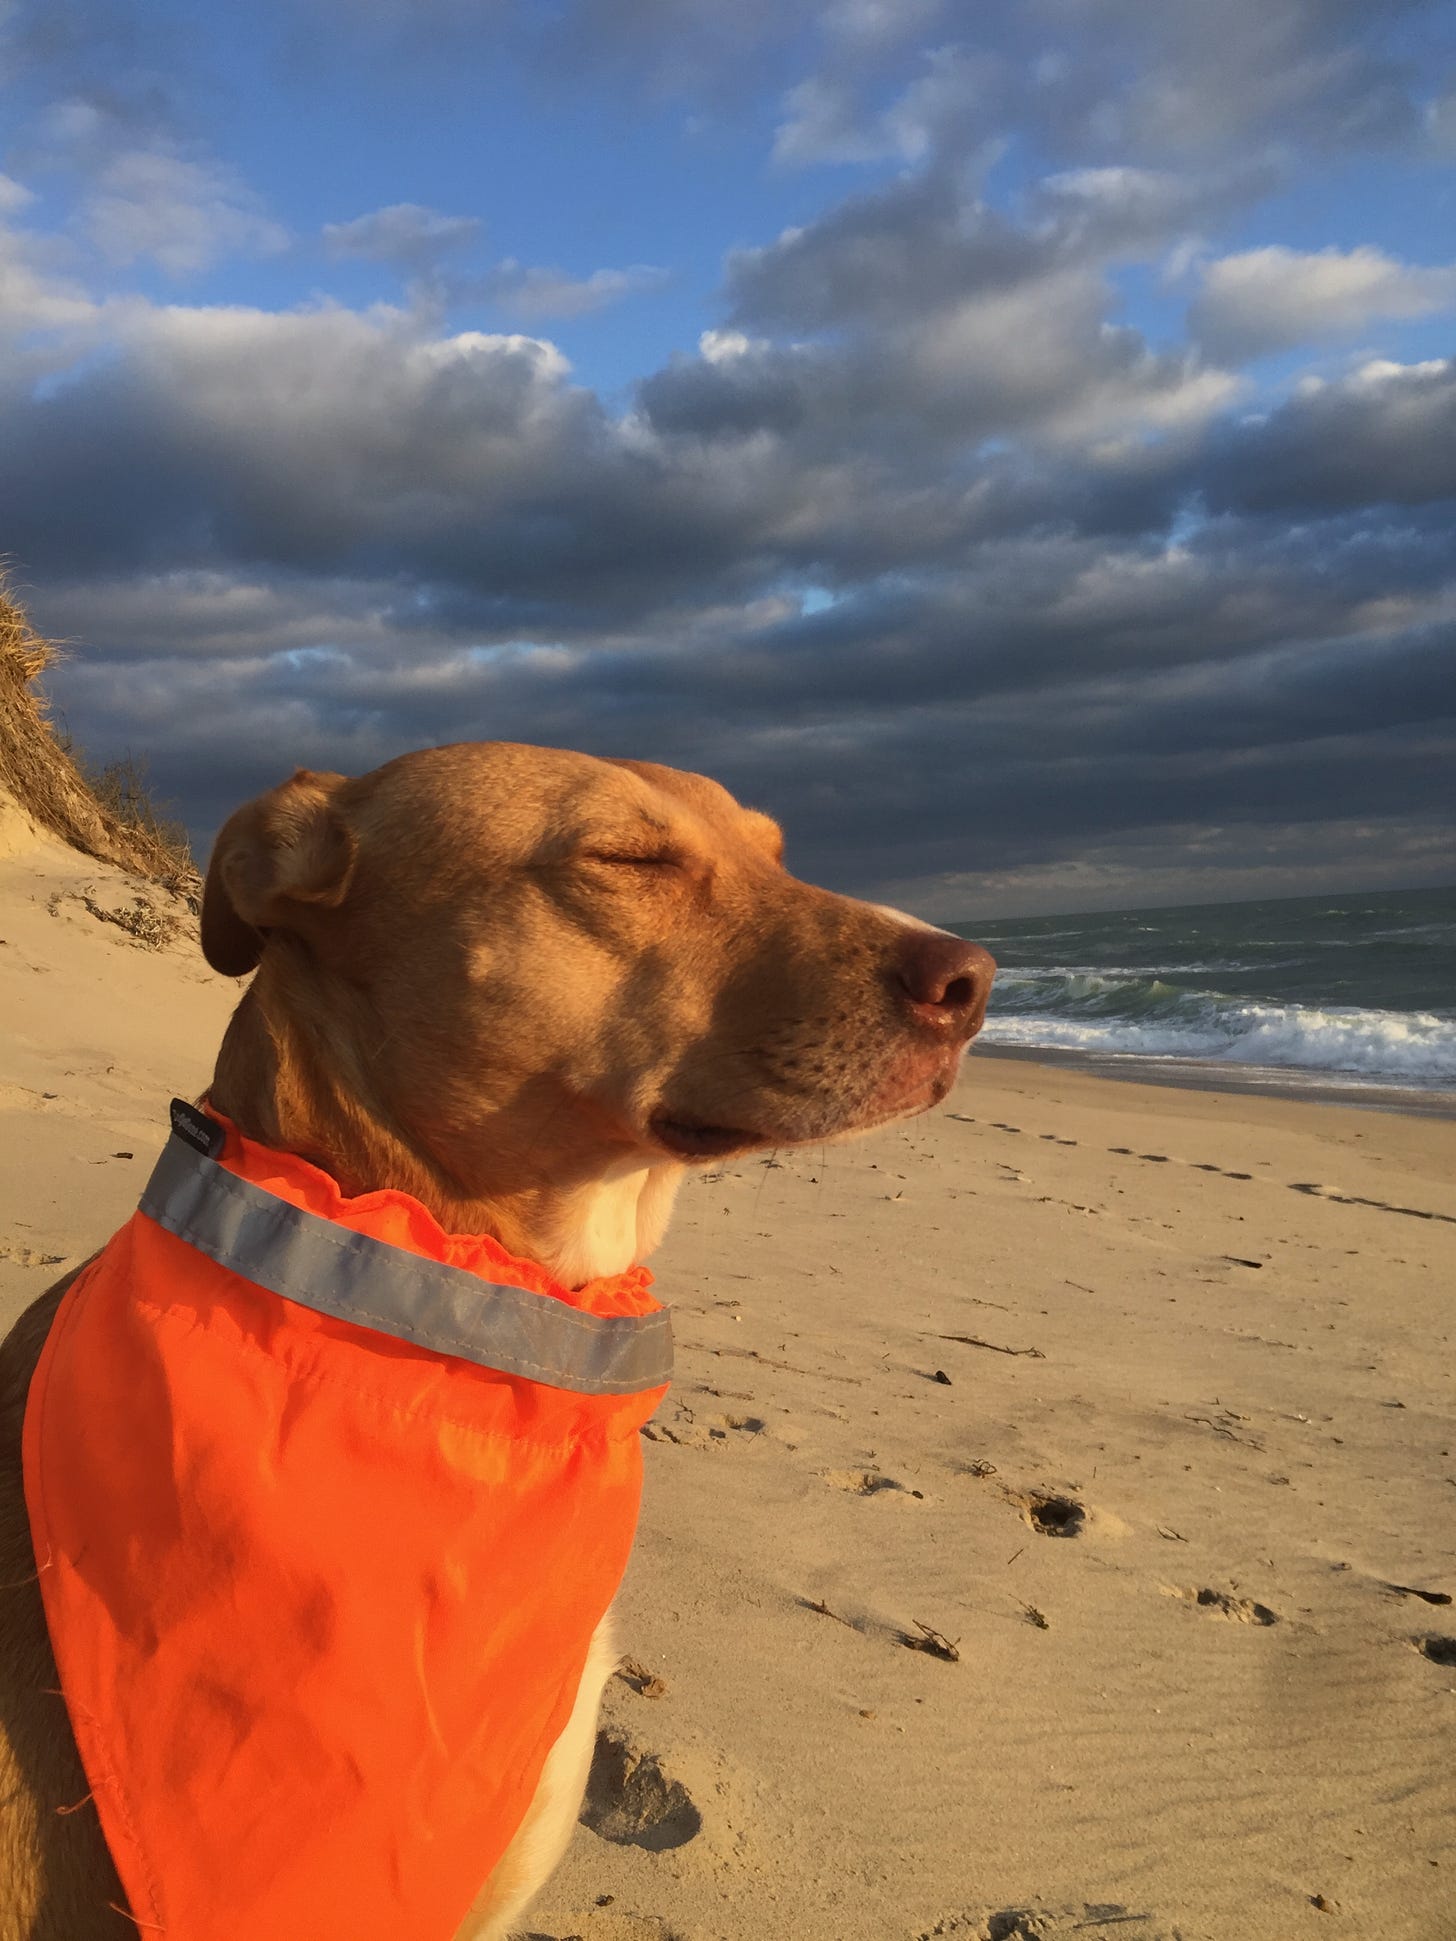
{"points": [[531, 989]]}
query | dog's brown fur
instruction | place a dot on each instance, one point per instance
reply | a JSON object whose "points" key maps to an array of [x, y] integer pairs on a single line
{"points": [[529, 988]]}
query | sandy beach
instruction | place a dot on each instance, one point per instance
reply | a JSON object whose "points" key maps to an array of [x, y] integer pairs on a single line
{"points": [[1033, 1535]]}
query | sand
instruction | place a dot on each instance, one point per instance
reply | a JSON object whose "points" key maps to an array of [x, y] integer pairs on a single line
{"points": [[1140, 1399]]}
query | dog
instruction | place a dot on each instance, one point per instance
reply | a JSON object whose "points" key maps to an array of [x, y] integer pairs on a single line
{"points": [[530, 990]]}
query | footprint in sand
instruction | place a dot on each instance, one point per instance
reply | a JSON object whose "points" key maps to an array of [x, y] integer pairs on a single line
{"points": [[865, 1482], [1053, 1515], [726, 1425], [1440, 1650], [30, 1257], [1167, 1159], [1243, 1610], [633, 1801], [1319, 1192], [1091, 1919], [611, 1926], [711, 1432]]}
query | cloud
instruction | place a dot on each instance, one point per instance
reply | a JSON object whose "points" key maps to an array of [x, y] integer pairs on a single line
{"points": [[533, 293], [823, 122], [378, 537], [922, 319], [882, 257], [1383, 436], [37, 297], [405, 235], [146, 196], [1074, 755], [1114, 83], [184, 215], [320, 434], [922, 546], [1213, 863], [1275, 298], [866, 28], [944, 110], [1118, 212], [1319, 72]]}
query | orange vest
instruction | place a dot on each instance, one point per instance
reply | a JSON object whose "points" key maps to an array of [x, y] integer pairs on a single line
{"points": [[326, 1505]]}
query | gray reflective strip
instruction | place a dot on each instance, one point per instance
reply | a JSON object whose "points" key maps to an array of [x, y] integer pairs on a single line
{"points": [[366, 1281]]}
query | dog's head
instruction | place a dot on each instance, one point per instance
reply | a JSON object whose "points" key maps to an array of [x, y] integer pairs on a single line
{"points": [[525, 953]]}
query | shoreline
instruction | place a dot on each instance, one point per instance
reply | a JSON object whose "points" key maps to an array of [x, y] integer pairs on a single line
{"points": [[1210, 1075]]}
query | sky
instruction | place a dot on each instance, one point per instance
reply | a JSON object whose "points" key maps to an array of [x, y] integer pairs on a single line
{"points": [[1012, 443]]}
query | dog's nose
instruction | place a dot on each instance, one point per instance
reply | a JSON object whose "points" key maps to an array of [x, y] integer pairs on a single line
{"points": [[946, 980]]}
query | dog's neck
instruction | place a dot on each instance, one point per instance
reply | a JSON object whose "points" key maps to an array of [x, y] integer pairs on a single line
{"points": [[600, 1227], [272, 1083]]}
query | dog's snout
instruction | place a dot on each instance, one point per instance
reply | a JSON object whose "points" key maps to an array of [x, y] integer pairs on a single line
{"points": [[946, 980]]}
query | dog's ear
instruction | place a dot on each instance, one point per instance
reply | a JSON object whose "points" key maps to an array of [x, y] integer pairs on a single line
{"points": [[291, 847]]}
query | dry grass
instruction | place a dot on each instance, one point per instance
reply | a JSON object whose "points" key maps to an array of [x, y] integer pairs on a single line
{"points": [[108, 812]]}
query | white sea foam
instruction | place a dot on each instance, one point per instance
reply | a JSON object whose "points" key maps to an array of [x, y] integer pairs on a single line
{"points": [[1361, 989], [1391, 1047]]}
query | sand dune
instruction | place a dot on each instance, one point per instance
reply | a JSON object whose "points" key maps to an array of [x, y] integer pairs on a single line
{"points": [[1050, 1531], [105, 1018]]}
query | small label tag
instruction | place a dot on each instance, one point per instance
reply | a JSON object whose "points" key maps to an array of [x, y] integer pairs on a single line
{"points": [[203, 1134]]}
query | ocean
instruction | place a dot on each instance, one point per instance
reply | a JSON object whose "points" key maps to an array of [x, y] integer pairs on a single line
{"points": [[1349, 994]]}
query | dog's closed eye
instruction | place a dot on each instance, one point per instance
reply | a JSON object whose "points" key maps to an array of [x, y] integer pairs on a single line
{"points": [[634, 859]]}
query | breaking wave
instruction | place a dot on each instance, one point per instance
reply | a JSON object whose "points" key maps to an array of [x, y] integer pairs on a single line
{"points": [[1137, 1012]]}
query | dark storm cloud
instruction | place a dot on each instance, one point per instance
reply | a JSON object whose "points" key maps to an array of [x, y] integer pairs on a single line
{"points": [[356, 446], [870, 789], [1384, 436], [914, 317], [882, 257], [342, 514], [330, 443]]}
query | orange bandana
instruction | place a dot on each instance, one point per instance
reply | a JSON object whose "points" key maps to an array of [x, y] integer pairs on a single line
{"points": [[326, 1505]]}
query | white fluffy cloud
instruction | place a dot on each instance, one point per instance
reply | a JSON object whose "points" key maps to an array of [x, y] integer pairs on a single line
{"points": [[145, 196], [1274, 298], [34, 295], [184, 215]]}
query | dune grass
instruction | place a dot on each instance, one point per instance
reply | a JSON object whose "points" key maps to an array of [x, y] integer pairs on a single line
{"points": [[108, 812]]}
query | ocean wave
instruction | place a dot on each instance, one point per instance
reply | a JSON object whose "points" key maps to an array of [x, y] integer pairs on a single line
{"points": [[1055, 977], [1150, 1018], [1439, 934]]}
